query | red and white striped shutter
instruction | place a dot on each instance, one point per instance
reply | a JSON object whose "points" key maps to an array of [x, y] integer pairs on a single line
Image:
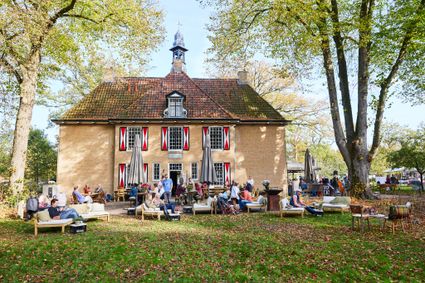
{"points": [[204, 134], [164, 138], [145, 172], [123, 138], [145, 138], [226, 138], [185, 138], [227, 172], [121, 175]]}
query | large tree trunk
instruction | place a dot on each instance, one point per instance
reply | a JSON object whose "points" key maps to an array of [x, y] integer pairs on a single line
{"points": [[23, 122], [358, 173]]}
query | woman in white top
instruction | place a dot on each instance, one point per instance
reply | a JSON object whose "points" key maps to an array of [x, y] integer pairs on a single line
{"points": [[234, 194]]}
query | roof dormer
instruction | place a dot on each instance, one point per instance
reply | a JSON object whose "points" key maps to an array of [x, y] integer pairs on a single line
{"points": [[175, 106]]}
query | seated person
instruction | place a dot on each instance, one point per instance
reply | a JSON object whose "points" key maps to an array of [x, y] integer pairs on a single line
{"points": [[86, 190], [80, 197], [245, 198], [61, 213], [296, 201], [99, 189], [43, 202], [158, 202], [133, 191]]}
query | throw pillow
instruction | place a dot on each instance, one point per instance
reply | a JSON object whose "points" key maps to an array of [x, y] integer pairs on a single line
{"points": [[340, 200], [43, 215], [97, 207], [80, 208]]}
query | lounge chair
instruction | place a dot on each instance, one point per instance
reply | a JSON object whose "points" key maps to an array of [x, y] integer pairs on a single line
{"points": [[147, 211], [209, 206], [286, 209], [261, 203]]}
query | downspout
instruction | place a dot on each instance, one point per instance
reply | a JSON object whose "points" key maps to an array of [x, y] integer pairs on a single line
{"points": [[234, 152]]}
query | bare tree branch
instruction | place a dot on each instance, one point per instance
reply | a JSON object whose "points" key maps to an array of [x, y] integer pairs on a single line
{"points": [[10, 68], [342, 73]]}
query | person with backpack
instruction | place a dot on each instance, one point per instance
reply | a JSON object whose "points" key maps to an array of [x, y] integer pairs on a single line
{"points": [[32, 207]]}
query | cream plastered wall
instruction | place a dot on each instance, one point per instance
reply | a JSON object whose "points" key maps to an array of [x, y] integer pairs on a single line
{"points": [[85, 156], [261, 153], [154, 154]]}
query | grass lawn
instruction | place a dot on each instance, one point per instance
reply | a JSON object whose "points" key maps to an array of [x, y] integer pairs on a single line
{"points": [[247, 247]]}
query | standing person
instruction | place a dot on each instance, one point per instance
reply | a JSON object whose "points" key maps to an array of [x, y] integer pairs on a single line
{"points": [[161, 186], [250, 184], [234, 193], [168, 186], [60, 213]]}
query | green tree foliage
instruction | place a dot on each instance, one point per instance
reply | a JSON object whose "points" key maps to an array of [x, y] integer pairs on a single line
{"points": [[42, 40], [328, 159], [42, 158], [412, 153], [367, 43]]}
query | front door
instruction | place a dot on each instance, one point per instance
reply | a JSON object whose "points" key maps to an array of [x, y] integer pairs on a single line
{"points": [[175, 174]]}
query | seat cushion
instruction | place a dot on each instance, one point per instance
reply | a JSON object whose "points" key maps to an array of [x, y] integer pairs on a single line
{"points": [[330, 205], [55, 222], [294, 209], [201, 206]]}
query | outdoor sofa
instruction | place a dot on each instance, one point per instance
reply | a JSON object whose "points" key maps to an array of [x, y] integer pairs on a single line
{"points": [[337, 203], [91, 210], [260, 203], [42, 220], [202, 207], [286, 209]]}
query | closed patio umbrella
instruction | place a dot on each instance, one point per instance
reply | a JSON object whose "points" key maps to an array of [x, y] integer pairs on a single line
{"points": [[135, 174], [207, 168], [309, 173]]}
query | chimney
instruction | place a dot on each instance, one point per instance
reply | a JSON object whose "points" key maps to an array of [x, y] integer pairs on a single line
{"points": [[109, 75], [243, 77], [178, 66]]}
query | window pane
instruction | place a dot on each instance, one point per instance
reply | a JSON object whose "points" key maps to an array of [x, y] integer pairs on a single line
{"points": [[131, 136], [175, 107], [175, 138], [175, 167], [194, 171], [216, 135], [156, 172], [219, 172]]}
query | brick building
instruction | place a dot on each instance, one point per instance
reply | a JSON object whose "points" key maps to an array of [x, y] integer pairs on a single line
{"points": [[172, 115]]}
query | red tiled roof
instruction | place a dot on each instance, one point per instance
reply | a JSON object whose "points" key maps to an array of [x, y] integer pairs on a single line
{"points": [[145, 98]]}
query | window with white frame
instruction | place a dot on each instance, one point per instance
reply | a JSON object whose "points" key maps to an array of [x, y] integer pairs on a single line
{"points": [[176, 167], [219, 171], [216, 136], [194, 171], [156, 172], [175, 106], [131, 136], [175, 138]]}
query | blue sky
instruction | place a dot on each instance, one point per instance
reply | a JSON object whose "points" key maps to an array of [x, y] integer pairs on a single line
{"points": [[193, 21]]}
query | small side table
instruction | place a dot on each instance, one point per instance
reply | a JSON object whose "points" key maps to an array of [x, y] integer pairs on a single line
{"points": [[78, 228], [187, 209]]}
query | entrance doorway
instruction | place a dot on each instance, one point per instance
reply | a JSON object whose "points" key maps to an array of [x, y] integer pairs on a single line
{"points": [[175, 170]]}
